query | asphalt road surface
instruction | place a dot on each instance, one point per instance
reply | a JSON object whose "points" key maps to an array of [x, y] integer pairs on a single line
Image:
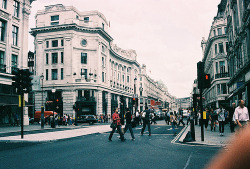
{"points": [[95, 151]]}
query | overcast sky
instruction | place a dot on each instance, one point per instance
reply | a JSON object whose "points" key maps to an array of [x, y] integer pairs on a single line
{"points": [[166, 34]]}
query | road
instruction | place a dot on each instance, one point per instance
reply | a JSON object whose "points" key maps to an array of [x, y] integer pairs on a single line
{"points": [[95, 151]]}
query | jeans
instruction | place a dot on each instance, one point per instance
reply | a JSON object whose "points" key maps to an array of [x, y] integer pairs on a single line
{"points": [[129, 126], [221, 126], [119, 131], [146, 122], [173, 127]]}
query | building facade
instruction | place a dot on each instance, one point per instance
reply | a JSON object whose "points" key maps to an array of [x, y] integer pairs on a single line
{"points": [[215, 60], [238, 25], [184, 103], [14, 25], [76, 55]]}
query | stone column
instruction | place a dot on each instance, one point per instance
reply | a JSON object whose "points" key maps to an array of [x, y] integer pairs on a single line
{"points": [[99, 102], [68, 59], [68, 98], [109, 103], [39, 59]]}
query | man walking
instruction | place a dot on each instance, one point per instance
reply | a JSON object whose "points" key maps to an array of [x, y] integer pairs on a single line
{"points": [[241, 115], [146, 121], [117, 122], [221, 119], [129, 124], [230, 117]]}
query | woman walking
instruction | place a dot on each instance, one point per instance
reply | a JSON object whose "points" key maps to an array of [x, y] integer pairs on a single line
{"points": [[117, 125], [221, 119], [172, 120], [213, 118]]}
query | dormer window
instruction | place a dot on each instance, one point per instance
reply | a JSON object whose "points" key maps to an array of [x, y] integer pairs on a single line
{"points": [[86, 19], [54, 20]]}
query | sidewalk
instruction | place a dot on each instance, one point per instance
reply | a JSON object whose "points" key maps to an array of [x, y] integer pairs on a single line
{"points": [[210, 137], [75, 131]]}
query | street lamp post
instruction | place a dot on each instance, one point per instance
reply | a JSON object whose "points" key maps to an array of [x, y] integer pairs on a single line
{"points": [[53, 124], [42, 106]]}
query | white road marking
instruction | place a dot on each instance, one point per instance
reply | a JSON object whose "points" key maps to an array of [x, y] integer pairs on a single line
{"points": [[188, 161]]}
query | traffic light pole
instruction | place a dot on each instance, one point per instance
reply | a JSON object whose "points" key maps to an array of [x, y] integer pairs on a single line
{"points": [[201, 111], [22, 115]]}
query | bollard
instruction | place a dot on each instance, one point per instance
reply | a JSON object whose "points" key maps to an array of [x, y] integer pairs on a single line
{"points": [[192, 130]]}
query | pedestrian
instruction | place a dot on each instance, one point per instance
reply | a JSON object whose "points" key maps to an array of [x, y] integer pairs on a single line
{"points": [[16, 118], [241, 115], [213, 116], [221, 119], [56, 120], [69, 120], [140, 118], [64, 121], [146, 121], [230, 117], [128, 125], [117, 125], [207, 118], [180, 118], [172, 120]]}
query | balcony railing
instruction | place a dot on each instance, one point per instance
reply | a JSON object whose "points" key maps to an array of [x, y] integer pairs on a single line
{"points": [[221, 75], [88, 99], [2, 68]]}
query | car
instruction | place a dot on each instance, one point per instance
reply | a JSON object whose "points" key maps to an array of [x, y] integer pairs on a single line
{"points": [[46, 114], [87, 119]]}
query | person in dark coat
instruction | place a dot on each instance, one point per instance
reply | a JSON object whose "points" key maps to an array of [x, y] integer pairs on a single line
{"points": [[129, 124], [230, 117], [146, 121]]}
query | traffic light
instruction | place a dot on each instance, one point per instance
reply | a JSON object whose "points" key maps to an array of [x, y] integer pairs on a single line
{"points": [[133, 101], [200, 74], [16, 80], [206, 83], [27, 80]]}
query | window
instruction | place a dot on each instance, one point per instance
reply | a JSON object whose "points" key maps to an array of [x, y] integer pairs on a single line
{"points": [[77, 17], [62, 57], [227, 47], [219, 31], [2, 30], [84, 58], [223, 88], [54, 43], [218, 89], [103, 77], [103, 26], [103, 61], [225, 30], [54, 20], [128, 79], [222, 66], [14, 61], [84, 73], [47, 44], [54, 58], [123, 78], [217, 67], [86, 19], [47, 74], [214, 32], [61, 73], [118, 78], [2, 65], [140, 78], [4, 4], [54, 74], [62, 42], [14, 35], [221, 49], [215, 49], [103, 49], [16, 6], [47, 58]]}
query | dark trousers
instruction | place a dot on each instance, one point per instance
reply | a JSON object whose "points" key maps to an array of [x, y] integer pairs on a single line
{"points": [[144, 126], [232, 125], [221, 126], [206, 123], [181, 122], [119, 131], [188, 120], [129, 126]]}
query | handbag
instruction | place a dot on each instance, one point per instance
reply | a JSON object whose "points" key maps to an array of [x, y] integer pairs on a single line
{"points": [[113, 125]]}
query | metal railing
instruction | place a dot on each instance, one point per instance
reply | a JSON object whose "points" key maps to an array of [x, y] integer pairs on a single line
{"points": [[221, 75]]}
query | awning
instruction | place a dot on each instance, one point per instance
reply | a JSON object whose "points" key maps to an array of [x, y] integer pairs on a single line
{"points": [[11, 100]]}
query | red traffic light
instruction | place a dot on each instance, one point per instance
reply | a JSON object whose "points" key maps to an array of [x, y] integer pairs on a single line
{"points": [[57, 100], [133, 98], [206, 77]]}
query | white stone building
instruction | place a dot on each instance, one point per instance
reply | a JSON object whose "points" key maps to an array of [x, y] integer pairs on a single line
{"points": [[14, 25], [215, 59], [77, 57]]}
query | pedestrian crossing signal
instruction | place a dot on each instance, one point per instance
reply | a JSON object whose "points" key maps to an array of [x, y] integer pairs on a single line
{"points": [[207, 82]]}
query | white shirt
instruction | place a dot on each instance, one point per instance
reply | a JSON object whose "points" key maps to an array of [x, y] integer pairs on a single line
{"points": [[241, 114], [221, 114]]}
